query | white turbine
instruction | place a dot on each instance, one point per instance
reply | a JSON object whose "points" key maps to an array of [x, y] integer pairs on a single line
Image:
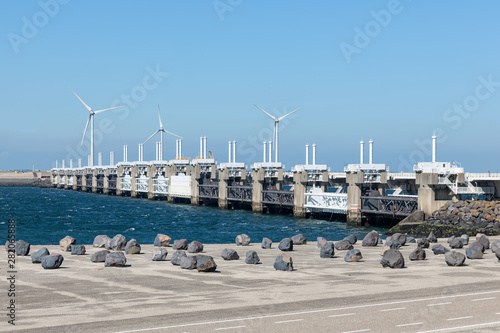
{"points": [[276, 125], [91, 120], [161, 130]]}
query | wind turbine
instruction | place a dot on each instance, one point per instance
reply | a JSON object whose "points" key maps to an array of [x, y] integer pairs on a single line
{"points": [[91, 120], [161, 130], [276, 123]]}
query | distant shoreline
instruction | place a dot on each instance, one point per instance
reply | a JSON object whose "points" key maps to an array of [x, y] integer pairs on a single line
{"points": [[25, 179]]}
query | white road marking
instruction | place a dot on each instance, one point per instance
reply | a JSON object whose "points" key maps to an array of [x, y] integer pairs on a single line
{"points": [[228, 328], [439, 304], [498, 313], [395, 309], [483, 299], [310, 312], [365, 330], [459, 318], [288, 321], [342, 315], [410, 324], [461, 327]]}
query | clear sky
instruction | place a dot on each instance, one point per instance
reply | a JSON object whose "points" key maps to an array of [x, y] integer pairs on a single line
{"points": [[391, 71]]}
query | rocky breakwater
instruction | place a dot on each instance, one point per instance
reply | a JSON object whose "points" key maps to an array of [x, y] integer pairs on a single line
{"points": [[466, 217]]}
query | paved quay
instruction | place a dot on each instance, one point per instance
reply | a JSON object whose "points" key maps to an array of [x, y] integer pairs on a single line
{"points": [[147, 296]]}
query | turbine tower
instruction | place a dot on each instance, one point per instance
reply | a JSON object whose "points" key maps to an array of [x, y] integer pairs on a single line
{"points": [[276, 125], [161, 130], [91, 120]]}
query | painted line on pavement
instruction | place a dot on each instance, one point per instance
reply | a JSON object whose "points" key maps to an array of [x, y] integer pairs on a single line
{"points": [[228, 328], [461, 327], [437, 304], [365, 330], [410, 324], [347, 314], [395, 309], [288, 321], [459, 318], [483, 299], [309, 312]]}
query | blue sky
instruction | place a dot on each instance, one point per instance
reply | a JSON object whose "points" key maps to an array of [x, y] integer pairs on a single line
{"points": [[391, 71]]}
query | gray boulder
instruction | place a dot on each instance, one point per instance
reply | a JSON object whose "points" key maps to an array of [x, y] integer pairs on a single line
{"points": [[475, 251], [252, 258], [495, 246], [351, 239], [465, 239], [450, 239], [66, 243], [399, 238], [371, 239], [180, 244], [423, 243], [205, 263], [132, 247], [118, 243], [454, 258], [195, 247], [176, 258], [457, 243], [390, 243], [99, 256], [10, 246], [484, 240], [320, 241], [299, 239], [393, 258], [37, 256], [102, 241], [497, 253], [22, 248], [159, 254], [343, 245], [188, 262], [286, 244], [242, 240], [353, 255], [432, 238], [327, 250], [78, 250], [410, 240], [266, 243], [52, 261], [283, 262], [229, 254], [417, 254], [162, 240], [439, 249], [115, 259]]}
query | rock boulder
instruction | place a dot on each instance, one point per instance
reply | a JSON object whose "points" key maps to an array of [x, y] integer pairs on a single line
{"points": [[52, 261], [78, 250], [162, 240], [180, 244], [242, 240], [115, 259], [286, 244], [393, 259], [118, 243], [353, 255], [195, 247], [371, 239], [454, 258], [159, 254], [229, 254], [266, 243], [327, 250], [102, 241], [252, 258], [99, 256], [299, 239], [283, 262], [205, 263], [343, 245], [66, 243], [22, 248], [132, 247], [36, 257], [176, 258], [417, 254]]}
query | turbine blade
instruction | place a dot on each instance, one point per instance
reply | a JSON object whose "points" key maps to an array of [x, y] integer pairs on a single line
{"points": [[180, 137], [104, 110], [85, 131], [283, 117], [159, 116], [272, 117], [151, 136], [88, 107]]}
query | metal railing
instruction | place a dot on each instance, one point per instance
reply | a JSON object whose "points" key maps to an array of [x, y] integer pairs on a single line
{"points": [[161, 186], [239, 193], [281, 198], [126, 184], [389, 205], [326, 202], [142, 184], [209, 191]]}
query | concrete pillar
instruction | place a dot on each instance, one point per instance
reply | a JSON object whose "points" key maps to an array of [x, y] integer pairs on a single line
{"points": [[354, 181], [107, 175], [134, 175], [151, 180], [223, 183], [195, 182], [119, 172], [75, 180], [94, 181], [362, 152], [257, 187], [299, 191]]}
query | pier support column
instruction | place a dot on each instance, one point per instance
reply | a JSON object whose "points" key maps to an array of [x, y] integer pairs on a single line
{"points": [[355, 180], [299, 193], [75, 180], [257, 187], [223, 182], [119, 175], [134, 174], [105, 181], [151, 182], [431, 195], [195, 182]]}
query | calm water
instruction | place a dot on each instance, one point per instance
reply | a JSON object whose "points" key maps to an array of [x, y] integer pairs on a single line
{"points": [[44, 216]]}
